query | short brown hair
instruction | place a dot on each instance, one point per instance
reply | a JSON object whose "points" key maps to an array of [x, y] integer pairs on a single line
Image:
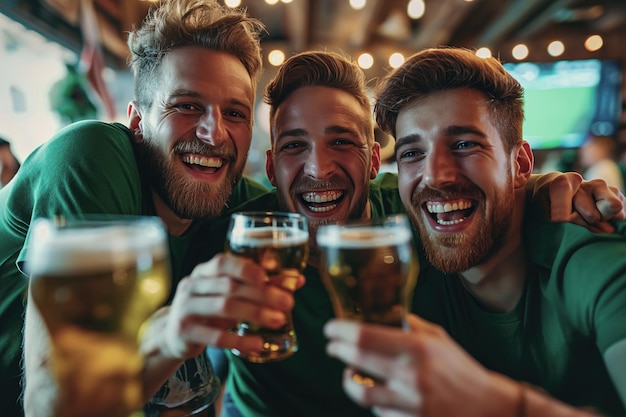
{"points": [[319, 69], [178, 23], [438, 69]]}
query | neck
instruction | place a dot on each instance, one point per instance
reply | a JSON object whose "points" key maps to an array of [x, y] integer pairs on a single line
{"points": [[498, 284], [174, 224]]}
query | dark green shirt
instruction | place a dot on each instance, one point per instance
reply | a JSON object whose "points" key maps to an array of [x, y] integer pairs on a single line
{"points": [[573, 308], [88, 167]]}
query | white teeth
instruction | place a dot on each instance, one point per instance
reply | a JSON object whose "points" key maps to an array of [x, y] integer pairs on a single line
{"points": [[449, 223], [325, 197], [203, 161], [322, 209], [448, 207]]}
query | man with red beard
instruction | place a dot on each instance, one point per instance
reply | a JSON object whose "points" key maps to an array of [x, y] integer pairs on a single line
{"points": [[538, 302], [324, 163], [196, 66]]}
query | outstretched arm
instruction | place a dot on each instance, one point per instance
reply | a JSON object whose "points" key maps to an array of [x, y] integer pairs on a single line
{"points": [[425, 373], [566, 197]]}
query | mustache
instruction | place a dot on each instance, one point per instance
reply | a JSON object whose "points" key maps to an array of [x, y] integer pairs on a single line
{"points": [[450, 192], [305, 184], [202, 148]]}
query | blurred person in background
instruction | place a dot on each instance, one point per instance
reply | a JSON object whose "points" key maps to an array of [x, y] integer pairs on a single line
{"points": [[9, 164], [597, 159]]}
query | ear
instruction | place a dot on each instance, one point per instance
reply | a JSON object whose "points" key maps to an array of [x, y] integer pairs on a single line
{"points": [[375, 160], [524, 163], [134, 120], [269, 167]]}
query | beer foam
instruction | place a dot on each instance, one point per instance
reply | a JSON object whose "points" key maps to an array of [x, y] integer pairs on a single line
{"points": [[269, 236], [54, 251], [365, 237]]}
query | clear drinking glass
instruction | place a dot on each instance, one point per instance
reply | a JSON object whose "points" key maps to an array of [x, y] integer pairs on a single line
{"points": [[95, 282], [370, 270], [278, 242]]}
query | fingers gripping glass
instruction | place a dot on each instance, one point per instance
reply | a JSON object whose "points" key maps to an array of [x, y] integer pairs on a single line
{"points": [[278, 242]]}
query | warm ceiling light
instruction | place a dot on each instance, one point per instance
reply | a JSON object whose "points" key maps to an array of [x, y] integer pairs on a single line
{"points": [[415, 9], [276, 57], [593, 43], [396, 59], [271, 2], [556, 48], [365, 61], [483, 52], [232, 3], [520, 51], [286, 1], [358, 4]]}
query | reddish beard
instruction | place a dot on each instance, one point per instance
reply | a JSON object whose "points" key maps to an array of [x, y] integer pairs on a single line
{"points": [[458, 252]]}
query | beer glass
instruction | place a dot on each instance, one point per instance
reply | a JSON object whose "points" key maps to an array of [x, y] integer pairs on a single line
{"points": [[278, 242], [95, 282], [370, 270]]}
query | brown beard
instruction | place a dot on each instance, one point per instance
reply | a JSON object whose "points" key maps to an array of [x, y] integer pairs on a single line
{"points": [[459, 252], [187, 198]]}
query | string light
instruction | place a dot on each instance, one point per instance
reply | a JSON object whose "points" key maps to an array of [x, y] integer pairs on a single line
{"points": [[365, 60], [358, 4], [276, 57], [396, 59], [415, 9], [556, 48], [594, 43], [483, 52], [520, 51]]}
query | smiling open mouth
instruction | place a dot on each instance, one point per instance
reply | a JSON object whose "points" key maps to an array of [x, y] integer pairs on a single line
{"points": [[320, 202], [450, 212], [202, 163]]}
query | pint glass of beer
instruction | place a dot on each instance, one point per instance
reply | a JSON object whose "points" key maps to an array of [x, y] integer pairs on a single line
{"points": [[370, 269], [278, 242], [94, 283]]}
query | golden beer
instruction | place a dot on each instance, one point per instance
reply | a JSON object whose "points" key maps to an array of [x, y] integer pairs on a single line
{"points": [[370, 271], [94, 288], [280, 246]]}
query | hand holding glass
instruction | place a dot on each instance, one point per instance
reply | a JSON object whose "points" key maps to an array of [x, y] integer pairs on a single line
{"points": [[278, 242], [370, 270], [95, 283]]}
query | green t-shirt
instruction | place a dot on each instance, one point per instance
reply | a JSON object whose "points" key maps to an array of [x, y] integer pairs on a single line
{"points": [[573, 308], [87, 168], [309, 382]]}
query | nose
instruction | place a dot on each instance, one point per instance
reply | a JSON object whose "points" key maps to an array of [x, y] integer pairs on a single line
{"points": [[210, 128], [440, 168], [319, 164]]}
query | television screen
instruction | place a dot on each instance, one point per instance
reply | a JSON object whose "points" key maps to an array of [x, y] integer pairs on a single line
{"points": [[565, 101]]}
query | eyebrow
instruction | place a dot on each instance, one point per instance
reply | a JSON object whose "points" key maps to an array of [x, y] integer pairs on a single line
{"points": [[299, 132], [454, 130], [405, 140], [194, 94]]}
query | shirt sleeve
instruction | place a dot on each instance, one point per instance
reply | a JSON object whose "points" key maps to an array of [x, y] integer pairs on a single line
{"points": [[593, 286], [87, 168]]}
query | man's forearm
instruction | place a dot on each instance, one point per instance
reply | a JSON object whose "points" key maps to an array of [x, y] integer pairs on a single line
{"points": [[157, 367], [40, 390], [530, 401]]}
